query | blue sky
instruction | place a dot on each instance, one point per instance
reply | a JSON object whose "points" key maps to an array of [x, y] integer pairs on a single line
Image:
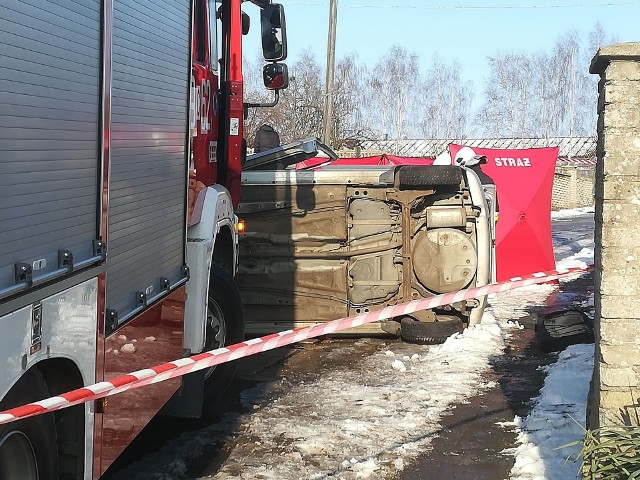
{"points": [[466, 30]]}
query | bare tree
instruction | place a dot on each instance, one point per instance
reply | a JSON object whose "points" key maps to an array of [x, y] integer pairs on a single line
{"points": [[509, 94], [564, 58], [254, 93], [587, 102], [301, 105], [298, 113], [598, 37], [444, 101], [392, 83], [575, 90], [542, 95], [349, 99]]}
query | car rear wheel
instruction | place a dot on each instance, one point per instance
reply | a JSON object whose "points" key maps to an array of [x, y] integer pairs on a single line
{"points": [[413, 177], [428, 333]]}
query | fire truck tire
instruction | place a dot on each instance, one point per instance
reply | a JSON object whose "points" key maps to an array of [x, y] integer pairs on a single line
{"points": [[28, 448], [225, 326], [413, 176], [428, 333]]}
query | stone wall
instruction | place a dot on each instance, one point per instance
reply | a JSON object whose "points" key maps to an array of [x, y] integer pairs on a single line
{"points": [[616, 382], [573, 187]]}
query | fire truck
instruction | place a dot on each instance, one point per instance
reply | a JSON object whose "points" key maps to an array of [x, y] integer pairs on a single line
{"points": [[121, 149]]}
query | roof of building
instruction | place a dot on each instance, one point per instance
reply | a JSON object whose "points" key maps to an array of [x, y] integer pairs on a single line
{"points": [[571, 148]]}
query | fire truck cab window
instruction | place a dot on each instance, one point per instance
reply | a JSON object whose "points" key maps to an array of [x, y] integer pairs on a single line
{"points": [[201, 29], [213, 35]]}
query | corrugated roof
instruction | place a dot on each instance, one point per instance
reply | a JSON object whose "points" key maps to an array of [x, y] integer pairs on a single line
{"points": [[591, 161], [570, 147]]}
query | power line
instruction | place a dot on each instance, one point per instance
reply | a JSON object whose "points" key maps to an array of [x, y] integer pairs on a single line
{"points": [[475, 7]]}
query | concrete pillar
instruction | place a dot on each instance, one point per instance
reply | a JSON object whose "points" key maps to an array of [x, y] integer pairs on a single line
{"points": [[615, 389], [573, 188]]}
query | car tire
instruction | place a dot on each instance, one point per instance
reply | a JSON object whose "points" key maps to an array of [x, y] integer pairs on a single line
{"points": [[428, 333], [411, 177], [225, 326], [28, 447]]}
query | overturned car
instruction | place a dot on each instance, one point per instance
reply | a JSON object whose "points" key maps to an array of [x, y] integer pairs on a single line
{"points": [[338, 241]]}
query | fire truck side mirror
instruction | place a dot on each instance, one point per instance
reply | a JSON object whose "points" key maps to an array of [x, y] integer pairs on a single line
{"points": [[275, 76], [274, 35]]}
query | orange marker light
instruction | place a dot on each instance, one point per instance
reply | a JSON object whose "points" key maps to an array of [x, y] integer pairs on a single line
{"points": [[242, 227]]}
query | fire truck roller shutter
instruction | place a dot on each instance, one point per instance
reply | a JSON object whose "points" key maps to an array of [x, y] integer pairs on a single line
{"points": [[49, 118], [149, 126]]}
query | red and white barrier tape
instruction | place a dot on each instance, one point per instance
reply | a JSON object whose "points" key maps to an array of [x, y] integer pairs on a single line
{"points": [[204, 360]]}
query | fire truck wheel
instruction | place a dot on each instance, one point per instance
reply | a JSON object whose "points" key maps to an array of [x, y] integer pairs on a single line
{"points": [[225, 326], [28, 448], [428, 333]]}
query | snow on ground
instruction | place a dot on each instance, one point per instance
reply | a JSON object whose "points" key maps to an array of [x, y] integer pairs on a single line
{"points": [[366, 420], [558, 416], [571, 213], [557, 419]]}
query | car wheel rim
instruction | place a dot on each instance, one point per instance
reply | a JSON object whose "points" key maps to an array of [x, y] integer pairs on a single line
{"points": [[17, 458]]}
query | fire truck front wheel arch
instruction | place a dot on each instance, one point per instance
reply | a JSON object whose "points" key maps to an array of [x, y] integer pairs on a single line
{"points": [[225, 326], [28, 448]]}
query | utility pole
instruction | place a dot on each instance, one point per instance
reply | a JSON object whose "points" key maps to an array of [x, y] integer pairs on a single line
{"points": [[327, 129]]}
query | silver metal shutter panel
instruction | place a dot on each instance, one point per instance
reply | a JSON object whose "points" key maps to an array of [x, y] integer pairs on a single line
{"points": [[49, 107], [149, 126]]}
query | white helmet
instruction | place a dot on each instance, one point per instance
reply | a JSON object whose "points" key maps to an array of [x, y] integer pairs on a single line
{"points": [[464, 155], [444, 158]]}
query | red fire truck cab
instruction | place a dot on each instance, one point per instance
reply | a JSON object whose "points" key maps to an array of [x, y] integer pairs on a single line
{"points": [[121, 146]]}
